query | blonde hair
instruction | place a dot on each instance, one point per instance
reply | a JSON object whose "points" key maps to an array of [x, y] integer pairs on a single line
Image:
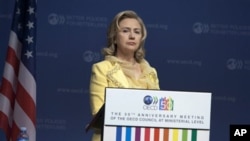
{"points": [[110, 49]]}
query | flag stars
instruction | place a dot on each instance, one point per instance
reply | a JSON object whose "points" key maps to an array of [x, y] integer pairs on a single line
{"points": [[19, 26], [28, 54], [29, 39], [31, 10], [18, 11], [30, 25]]}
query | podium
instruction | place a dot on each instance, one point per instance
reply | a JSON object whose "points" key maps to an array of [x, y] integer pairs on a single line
{"points": [[154, 115]]}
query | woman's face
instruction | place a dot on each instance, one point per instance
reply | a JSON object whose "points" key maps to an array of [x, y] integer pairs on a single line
{"points": [[129, 36]]}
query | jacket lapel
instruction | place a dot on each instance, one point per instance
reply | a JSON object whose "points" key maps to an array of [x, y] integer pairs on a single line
{"points": [[116, 77]]}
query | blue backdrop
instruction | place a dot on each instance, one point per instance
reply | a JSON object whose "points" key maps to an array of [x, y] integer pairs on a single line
{"points": [[196, 45]]}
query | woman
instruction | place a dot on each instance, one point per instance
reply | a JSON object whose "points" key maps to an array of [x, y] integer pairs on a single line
{"points": [[124, 65]]}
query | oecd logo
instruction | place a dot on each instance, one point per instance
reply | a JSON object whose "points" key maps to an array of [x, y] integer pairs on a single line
{"points": [[234, 64], [90, 56], [199, 28], [150, 103], [166, 104], [55, 19]]}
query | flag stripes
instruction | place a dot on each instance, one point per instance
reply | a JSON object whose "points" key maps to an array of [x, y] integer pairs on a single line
{"points": [[18, 84]]}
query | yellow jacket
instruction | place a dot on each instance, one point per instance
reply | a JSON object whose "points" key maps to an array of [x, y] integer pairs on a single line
{"points": [[110, 74]]}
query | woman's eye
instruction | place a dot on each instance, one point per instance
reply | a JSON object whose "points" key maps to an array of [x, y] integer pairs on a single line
{"points": [[138, 32], [125, 31]]}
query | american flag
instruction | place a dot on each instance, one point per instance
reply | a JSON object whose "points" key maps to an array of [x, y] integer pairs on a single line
{"points": [[18, 86]]}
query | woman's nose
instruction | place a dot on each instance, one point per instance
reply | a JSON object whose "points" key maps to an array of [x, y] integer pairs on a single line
{"points": [[132, 35]]}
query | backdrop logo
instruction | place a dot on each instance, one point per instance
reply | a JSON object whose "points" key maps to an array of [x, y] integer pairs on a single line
{"points": [[55, 19], [199, 28], [221, 29], [233, 64], [150, 103], [77, 20], [238, 64], [166, 104], [90, 56]]}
